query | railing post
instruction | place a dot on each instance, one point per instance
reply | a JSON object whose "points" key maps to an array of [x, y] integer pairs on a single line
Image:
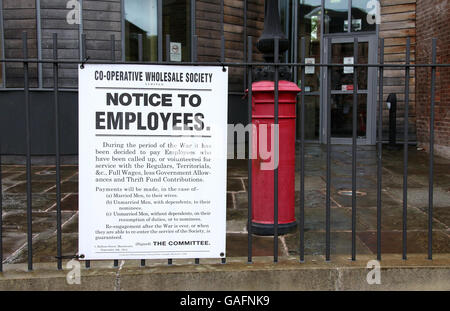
{"points": [[328, 160], [194, 55], [405, 150], [57, 152], [246, 46], [141, 59], [1, 210], [113, 48], [250, 146], [194, 60], [87, 263], [167, 48], [302, 154], [431, 173], [354, 144], [28, 150], [380, 147], [140, 48], [276, 149], [83, 46], [113, 60]]}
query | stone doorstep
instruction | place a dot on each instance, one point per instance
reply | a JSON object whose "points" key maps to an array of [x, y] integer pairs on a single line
{"points": [[416, 273]]}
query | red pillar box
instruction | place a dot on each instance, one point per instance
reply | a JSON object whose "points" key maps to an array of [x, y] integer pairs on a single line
{"points": [[263, 102]]}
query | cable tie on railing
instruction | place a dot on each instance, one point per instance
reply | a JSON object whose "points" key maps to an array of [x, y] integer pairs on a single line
{"points": [[84, 62], [223, 66]]}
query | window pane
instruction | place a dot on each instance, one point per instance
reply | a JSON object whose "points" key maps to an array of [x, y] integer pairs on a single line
{"points": [[336, 15], [342, 77], [360, 13], [363, 58], [309, 27], [312, 117], [177, 24], [309, 13], [342, 115], [141, 17]]}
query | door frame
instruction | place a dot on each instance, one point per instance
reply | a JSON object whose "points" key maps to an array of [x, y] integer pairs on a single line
{"points": [[327, 40]]}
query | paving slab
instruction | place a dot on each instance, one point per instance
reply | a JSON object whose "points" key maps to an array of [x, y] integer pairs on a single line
{"points": [[18, 201], [340, 244], [417, 242], [44, 206], [392, 218]]}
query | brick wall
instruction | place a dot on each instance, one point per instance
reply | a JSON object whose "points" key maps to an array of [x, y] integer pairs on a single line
{"points": [[433, 22]]}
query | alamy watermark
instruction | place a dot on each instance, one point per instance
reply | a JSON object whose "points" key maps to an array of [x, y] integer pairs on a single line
{"points": [[374, 275], [73, 277], [264, 140], [73, 16], [374, 12], [373, 8]]}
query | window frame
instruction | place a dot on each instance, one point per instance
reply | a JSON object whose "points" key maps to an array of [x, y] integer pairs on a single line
{"points": [[159, 14], [349, 19], [160, 28]]}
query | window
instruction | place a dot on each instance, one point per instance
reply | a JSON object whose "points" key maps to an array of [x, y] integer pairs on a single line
{"points": [[361, 9], [177, 24], [309, 27], [337, 16], [142, 17]]}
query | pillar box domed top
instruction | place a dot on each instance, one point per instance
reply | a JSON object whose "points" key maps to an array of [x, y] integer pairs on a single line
{"points": [[269, 86], [263, 99]]}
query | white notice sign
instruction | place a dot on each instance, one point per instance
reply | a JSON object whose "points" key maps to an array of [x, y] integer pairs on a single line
{"points": [[310, 70], [152, 161], [348, 61], [175, 51]]}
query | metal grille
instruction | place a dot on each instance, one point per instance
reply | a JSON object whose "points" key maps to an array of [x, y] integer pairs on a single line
{"points": [[249, 65]]}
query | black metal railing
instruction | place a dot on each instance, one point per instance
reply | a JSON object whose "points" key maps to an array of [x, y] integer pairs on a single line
{"points": [[249, 65]]}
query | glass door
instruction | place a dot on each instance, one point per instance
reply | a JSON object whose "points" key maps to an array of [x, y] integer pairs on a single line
{"points": [[309, 28], [339, 89]]}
